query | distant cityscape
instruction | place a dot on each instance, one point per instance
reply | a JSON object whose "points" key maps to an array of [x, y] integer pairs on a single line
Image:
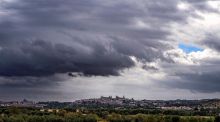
{"points": [[120, 103]]}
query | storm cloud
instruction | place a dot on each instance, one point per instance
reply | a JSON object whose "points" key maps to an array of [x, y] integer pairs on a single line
{"points": [[43, 39]]}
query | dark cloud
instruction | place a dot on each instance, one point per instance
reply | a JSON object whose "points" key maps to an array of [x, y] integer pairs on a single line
{"points": [[200, 81], [42, 38], [197, 78], [212, 41], [41, 58]]}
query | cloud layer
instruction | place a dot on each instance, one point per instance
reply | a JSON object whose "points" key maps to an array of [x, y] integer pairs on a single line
{"points": [[96, 38], [39, 40]]}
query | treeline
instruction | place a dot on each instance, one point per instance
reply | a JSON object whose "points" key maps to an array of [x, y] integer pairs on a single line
{"points": [[61, 115], [110, 118], [201, 112], [70, 117], [159, 118]]}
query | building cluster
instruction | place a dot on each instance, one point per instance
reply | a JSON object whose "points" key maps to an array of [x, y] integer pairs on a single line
{"points": [[118, 101], [126, 102], [121, 102], [23, 103]]}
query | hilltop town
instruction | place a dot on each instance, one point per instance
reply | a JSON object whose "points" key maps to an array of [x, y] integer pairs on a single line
{"points": [[111, 109], [121, 102]]}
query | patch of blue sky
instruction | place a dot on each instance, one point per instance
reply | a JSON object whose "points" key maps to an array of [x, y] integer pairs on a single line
{"points": [[188, 48]]}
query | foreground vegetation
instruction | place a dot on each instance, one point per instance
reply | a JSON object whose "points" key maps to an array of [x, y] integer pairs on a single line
{"points": [[37, 115]]}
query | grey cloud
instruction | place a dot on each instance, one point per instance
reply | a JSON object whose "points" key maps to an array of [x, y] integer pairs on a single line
{"points": [[202, 5], [212, 41], [202, 82], [197, 78], [70, 35], [30, 82], [42, 38], [41, 58]]}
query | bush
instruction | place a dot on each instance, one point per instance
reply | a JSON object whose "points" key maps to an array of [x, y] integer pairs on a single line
{"points": [[175, 119], [53, 118], [217, 119], [14, 119], [36, 119]]}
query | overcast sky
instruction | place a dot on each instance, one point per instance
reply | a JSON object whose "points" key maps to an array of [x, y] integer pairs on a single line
{"points": [[144, 49]]}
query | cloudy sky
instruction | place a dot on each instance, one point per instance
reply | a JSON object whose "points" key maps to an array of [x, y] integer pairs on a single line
{"points": [[146, 49]]}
